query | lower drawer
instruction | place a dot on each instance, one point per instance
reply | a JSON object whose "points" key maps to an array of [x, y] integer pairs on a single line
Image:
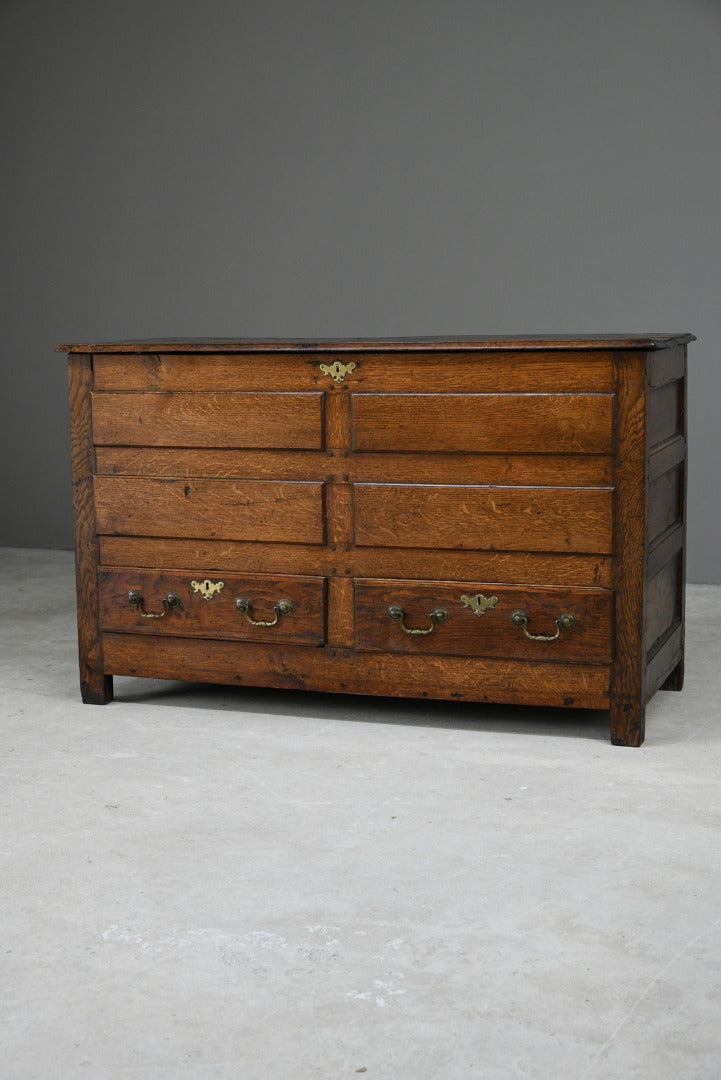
{"points": [[246, 607], [468, 619]]}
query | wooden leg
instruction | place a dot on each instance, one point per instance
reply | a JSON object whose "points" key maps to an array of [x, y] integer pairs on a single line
{"points": [[628, 722], [675, 679], [96, 688]]}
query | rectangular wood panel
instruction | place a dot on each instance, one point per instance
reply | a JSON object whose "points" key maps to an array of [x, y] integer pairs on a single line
{"points": [[665, 503], [664, 413], [491, 633], [663, 603], [666, 365], [268, 510], [490, 423], [491, 518], [287, 421], [489, 372]]}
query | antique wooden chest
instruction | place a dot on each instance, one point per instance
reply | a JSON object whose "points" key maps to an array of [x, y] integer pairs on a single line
{"points": [[491, 519]]}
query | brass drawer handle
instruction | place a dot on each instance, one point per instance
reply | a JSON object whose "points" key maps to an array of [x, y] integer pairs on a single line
{"points": [[439, 615], [135, 598], [283, 607], [563, 622]]}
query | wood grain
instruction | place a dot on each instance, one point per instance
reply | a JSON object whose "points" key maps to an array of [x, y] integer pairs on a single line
{"points": [[663, 611], [518, 567], [339, 513], [666, 365], [345, 671], [198, 373], [96, 686], [666, 456], [673, 677], [628, 714], [465, 371], [341, 630], [495, 518], [338, 418], [664, 549], [664, 413], [666, 667], [203, 419], [214, 509], [665, 498], [491, 634], [217, 617], [498, 423], [591, 470]]}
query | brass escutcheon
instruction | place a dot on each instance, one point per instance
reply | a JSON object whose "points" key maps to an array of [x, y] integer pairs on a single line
{"points": [[479, 604], [337, 371], [207, 588]]}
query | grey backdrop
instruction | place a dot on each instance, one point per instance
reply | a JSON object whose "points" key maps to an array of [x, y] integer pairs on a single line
{"points": [[281, 167]]}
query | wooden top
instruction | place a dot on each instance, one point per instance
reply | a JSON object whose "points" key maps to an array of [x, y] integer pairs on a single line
{"points": [[417, 344]]}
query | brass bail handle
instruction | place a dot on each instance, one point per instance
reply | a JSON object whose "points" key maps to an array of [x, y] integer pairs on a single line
{"points": [[438, 615], [135, 599], [283, 607], [563, 622]]}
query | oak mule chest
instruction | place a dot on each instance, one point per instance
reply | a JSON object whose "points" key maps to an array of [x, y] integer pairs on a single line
{"points": [[491, 519]]}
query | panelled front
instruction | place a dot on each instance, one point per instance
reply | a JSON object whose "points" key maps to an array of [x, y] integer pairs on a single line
{"points": [[198, 501], [533, 463], [450, 463], [512, 498], [177, 460]]}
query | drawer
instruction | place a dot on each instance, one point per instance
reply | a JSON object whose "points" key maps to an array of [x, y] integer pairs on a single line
{"points": [[490, 518], [183, 603], [281, 511], [243, 421], [472, 619], [484, 423]]}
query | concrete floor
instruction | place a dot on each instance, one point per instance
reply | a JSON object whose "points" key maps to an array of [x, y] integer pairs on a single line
{"points": [[203, 881]]}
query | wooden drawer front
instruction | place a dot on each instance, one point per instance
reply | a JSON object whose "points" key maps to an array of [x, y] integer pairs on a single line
{"points": [[484, 518], [274, 511], [491, 633], [208, 609], [270, 421], [490, 423]]}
